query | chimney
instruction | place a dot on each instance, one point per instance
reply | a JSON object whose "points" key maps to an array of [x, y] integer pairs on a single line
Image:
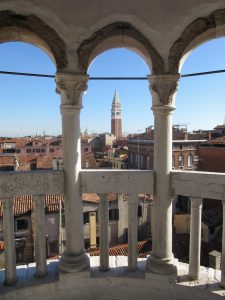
{"points": [[92, 229]]}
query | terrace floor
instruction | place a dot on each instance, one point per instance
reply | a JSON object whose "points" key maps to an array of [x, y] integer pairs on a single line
{"points": [[117, 283]]}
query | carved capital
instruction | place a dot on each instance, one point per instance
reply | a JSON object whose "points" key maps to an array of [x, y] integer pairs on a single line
{"points": [[71, 87], [163, 89], [196, 202]]}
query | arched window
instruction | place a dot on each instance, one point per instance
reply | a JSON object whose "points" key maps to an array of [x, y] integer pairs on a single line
{"points": [[190, 161], [148, 163], [181, 161]]}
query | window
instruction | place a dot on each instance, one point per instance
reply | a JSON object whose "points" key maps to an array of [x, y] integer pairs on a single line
{"points": [[173, 162], [114, 214], [148, 163], [42, 150], [63, 219], [190, 161], [22, 224], [19, 254], [181, 161], [139, 211], [53, 247], [86, 217], [85, 149], [51, 150], [28, 150]]}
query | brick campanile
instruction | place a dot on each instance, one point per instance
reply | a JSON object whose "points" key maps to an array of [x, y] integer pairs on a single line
{"points": [[116, 116]]}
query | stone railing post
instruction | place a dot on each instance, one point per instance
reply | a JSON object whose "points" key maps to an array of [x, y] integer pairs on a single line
{"points": [[222, 283], [163, 89], [40, 235], [195, 238], [71, 88], [9, 242], [132, 231], [104, 232]]}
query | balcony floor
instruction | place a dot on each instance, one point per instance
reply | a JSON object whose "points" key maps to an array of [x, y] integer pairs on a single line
{"points": [[117, 283]]}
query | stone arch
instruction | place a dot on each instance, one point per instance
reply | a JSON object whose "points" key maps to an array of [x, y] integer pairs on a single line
{"points": [[119, 34], [31, 29], [199, 31]]}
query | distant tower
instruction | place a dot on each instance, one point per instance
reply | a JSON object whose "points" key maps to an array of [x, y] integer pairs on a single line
{"points": [[116, 118]]}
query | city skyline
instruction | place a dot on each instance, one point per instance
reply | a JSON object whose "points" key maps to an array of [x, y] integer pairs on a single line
{"points": [[29, 103]]}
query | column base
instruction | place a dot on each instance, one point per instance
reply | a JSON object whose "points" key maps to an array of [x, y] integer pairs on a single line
{"points": [[160, 265], [72, 263], [11, 282]]}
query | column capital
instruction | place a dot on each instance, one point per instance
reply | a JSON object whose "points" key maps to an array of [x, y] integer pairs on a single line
{"points": [[196, 202], [163, 89], [71, 87]]}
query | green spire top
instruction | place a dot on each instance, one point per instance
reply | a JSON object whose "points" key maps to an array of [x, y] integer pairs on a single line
{"points": [[116, 98]]}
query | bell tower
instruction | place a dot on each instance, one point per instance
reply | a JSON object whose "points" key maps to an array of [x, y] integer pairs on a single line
{"points": [[116, 116]]}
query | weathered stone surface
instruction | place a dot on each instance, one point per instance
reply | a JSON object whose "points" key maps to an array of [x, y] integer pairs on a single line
{"points": [[87, 47], [33, 24], [198, 184], [31, 183], [107, 181], [195, 29]]}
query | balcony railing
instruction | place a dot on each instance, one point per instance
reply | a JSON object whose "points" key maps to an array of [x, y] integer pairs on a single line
{"points": [[196, 185]]}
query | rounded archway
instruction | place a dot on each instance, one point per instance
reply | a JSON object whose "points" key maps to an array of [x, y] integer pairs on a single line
{"points": [[201, 30], [32, 30], [119, 35]]}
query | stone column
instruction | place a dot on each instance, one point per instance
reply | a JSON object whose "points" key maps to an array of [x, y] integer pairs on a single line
{"points": [[195, 238], [9, 241], [132, 231], [163, 89], [222, 283], [71, 88], [40, 235], [104, 232]]}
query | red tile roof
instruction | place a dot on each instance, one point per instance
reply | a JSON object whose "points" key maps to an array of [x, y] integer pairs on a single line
{"points": [[24, 204], [217, 141], [143, 249]]}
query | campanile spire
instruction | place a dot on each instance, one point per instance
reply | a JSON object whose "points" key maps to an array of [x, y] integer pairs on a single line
{"points": [[116, 116]]}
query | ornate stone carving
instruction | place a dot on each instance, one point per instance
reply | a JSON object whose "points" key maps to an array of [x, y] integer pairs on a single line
{"points": [[72, 86], [87, 47], [195, 29], [9, 19], [163, 88]]}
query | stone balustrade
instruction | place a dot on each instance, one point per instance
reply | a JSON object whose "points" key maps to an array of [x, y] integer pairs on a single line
{"points": [[196, 185]]}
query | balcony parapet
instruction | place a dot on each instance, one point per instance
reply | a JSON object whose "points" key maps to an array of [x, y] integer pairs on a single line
{"points": [[124, 182], [198, 184], [15, 184]]}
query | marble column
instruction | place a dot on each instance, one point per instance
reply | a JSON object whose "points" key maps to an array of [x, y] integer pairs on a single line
{"points": [[163, 89], [9, 242], [195, 238], [71, 88]]}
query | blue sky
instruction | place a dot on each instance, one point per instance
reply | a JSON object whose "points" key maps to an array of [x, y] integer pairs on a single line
{"points": [[30, 105]]}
